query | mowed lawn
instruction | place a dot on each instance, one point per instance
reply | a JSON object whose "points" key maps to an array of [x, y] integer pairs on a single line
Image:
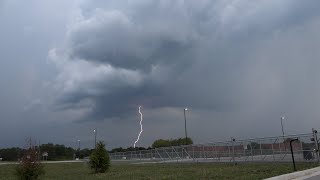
{"points": [[245, 171]]}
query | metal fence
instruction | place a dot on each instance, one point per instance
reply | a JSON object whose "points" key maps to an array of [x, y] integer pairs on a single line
{"points": [[270, 149]]}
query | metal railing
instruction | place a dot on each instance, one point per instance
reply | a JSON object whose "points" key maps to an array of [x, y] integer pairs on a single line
{"points": [[269, 149]]}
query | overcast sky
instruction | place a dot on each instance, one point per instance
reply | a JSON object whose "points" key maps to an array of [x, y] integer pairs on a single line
{"points": [[68, 67]]}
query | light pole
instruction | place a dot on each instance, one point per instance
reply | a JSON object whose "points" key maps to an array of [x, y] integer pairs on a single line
{"points": [[185, 124], [282, 118], [79, 148], [95, 139]]}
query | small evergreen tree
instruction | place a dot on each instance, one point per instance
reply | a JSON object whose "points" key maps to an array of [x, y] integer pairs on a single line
{"points": [[99, 159], [29, 167]]}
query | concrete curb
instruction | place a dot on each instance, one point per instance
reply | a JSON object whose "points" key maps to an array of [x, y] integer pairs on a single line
{"points": [[300, 175]]}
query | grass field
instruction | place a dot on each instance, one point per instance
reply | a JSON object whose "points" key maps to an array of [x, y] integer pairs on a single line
{"points": [[80, 171]]}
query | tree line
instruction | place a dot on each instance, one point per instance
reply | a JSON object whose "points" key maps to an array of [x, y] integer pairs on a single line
{"points": [[55, 152], [61, 152], [171, 142], [157, 144], [120, 149]]}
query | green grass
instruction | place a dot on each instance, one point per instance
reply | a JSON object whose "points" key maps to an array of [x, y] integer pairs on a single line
{"points": [[246, 171]]}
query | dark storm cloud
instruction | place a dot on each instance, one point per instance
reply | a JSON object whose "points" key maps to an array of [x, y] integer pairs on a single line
{"points": [[217, 55], [114, 38]]}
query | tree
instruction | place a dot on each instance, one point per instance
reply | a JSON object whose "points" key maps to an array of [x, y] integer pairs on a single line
{"points": [[57, 152], [10, 154], [120, 149], [29, 167], [161, 143], [99, 159], [172, 142], [85, 152]]}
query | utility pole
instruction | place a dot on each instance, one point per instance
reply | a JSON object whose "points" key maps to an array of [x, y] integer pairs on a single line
{"points": [[185, 124], [79, 148], [39, 153], [282, 118], [95, 138]]}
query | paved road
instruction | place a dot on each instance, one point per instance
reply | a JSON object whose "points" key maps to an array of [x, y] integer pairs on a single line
{"points": [[314, 178], [6, 163], [46, 162]]}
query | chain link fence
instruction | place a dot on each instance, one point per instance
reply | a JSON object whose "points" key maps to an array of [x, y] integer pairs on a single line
{"points": [[270, 149]]}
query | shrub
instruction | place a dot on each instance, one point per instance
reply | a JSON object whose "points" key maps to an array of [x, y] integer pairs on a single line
{"points": [[29, 167], [99, 159]]}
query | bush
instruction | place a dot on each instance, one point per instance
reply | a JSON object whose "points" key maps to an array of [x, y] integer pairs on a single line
{"points": [[29, 167], [99, 159]]}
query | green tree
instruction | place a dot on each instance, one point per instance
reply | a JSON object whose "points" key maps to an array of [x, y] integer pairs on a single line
{"points": [[50, 149], [119, 149], [57, 152], [10, 154], [172, 142], [161, 143], [85, 152], [99, 159]]}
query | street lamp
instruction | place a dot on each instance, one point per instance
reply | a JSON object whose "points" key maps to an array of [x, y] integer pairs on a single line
{"points": [[79, 148], [282, 118], [185, 124], [78, 144], [95, 138]]}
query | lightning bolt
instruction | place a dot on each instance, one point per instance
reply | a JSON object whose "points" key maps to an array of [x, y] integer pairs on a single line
{"points": [[141, 129]]}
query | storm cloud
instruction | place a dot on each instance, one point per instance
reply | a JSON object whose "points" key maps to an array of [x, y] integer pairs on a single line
{"points": [[215, 55], [68, 67]]}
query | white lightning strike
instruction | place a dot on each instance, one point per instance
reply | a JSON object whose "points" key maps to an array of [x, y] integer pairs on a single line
{"points": [[141, 130]]}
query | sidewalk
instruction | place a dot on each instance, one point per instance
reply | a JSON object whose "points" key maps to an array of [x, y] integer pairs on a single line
{"points": [[309, 174]]}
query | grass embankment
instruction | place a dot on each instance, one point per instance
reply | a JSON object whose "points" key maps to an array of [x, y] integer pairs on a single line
{"points": [[80, 171]]}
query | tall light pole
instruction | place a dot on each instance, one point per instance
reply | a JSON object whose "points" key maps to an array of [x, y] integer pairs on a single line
{"points": [[185, 124], [282, 118], [79, 148], [95, 138]]}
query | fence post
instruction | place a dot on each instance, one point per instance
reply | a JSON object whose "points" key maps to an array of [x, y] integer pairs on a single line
{"points": [[182, 155], [204, 153], [232, 140], [301, 149], [260, 149], [251, 150], [244, 150], [294, 164], [172, 151], [315, 138], [212, 151], [280, 151], [272, 152], [193, 152]]}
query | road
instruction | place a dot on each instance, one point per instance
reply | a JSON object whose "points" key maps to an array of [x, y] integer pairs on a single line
{"points": [[46, 162], [314, 178]]}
